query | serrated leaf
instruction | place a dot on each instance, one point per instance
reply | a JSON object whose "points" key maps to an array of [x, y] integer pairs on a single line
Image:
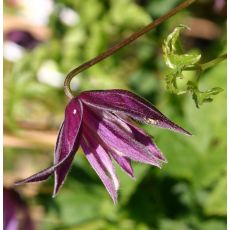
{"points": [[177, 60], [201, 97], [180, 62]]}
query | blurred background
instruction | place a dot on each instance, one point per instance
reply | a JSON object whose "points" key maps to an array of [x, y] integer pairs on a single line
{"points": [[43, 41]]}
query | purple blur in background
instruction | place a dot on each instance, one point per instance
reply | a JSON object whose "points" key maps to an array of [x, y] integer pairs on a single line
{"points": [[15, 212], [22, 38]]}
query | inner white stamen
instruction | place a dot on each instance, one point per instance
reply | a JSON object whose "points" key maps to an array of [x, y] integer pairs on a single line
{"points": [[74, 111]]}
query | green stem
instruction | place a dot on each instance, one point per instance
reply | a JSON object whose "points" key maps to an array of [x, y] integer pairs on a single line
{"points": [[120, 45], [213, 62], [207, 65]]}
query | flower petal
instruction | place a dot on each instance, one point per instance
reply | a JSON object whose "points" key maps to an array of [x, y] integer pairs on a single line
{"points": [[146, 140], [124, 162], [40, 176], [102, 164], [140, 135], [66, 146], [116, 137], [69, 141], [137, 133], [130, 104]]}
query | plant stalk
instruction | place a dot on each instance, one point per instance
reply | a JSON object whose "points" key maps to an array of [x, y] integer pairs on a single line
{"points": [[120, 45]]}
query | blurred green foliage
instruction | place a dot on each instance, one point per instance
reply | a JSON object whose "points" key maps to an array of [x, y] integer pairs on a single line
{"points": [[189, 193]]}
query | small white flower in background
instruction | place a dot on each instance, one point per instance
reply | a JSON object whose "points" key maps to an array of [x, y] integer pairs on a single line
{"points": [[12, 51], [69, 17], [49, 74], [37, 11]]}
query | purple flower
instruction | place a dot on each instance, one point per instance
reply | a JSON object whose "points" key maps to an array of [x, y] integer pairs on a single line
{"points": [[15, 211], [101, 122]]}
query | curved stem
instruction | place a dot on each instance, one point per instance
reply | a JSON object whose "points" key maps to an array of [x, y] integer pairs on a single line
{"points": [[120, 45]]}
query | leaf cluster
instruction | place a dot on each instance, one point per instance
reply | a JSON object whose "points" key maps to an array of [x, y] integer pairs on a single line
{"points": [[180, 62]]}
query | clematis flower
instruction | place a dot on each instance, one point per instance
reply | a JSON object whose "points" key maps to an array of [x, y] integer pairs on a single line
{"points": [[102, 123]]}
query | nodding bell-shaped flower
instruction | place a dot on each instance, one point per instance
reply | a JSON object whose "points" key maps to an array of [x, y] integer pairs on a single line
{"points": [[101, 122]]}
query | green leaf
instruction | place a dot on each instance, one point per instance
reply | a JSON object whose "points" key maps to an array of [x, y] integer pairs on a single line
{"points": [[216, 203], [179, 63], [132, 14], [213, 225], [201, 97], [177, 60], [174, 56], [168, 224]]}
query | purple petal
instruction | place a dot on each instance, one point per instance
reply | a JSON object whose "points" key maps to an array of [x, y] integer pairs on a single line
{"points": [[40, 176], [146, 140], [66, 146], [13, 205], [116, 137], [136, 133], [132, 105], [124, 162], [9, 214], [102, 155], [68, 141], [101, 163]]}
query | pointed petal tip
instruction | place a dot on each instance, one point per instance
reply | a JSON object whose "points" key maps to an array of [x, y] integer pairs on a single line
{"points": [[130, 104], [54, 194], [160, 165], [186, 132], [161, 158], [114, 198], [113, 195], [176, 128], [131, 174], [25, 181], [18, 183], [134, 178], [115, 202], [56, 189]]}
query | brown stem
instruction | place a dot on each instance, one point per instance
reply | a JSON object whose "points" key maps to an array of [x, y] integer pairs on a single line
{"points": [[120, 45]]}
